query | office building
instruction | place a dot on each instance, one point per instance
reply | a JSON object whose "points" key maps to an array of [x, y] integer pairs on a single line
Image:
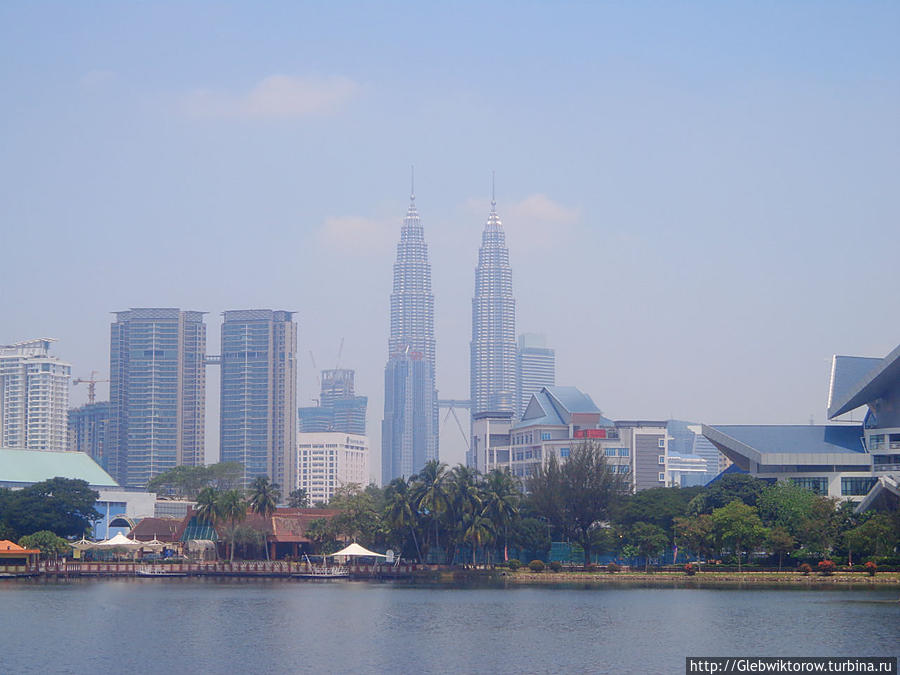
{"points": [[327, 461], [87, 430], [339, 409], [257, 418], [493, 347], [157, 393], [535, 368], [34, 397], [409, 432]]}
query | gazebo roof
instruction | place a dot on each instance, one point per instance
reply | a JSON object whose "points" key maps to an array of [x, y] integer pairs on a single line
{"points": [[354, 550]]}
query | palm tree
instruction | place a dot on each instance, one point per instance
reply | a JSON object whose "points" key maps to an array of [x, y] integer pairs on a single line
{"points": [[465, 503], [430, 492], [208, 505], [479, 532], [400, 510], [501, 496], [263, 499], [232, 508], [298, 499]]}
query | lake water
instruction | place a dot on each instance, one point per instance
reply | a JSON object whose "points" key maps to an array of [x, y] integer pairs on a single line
{"points": [[280, 626]]}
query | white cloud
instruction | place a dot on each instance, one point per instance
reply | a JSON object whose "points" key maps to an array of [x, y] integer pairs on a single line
{"points": [[274, 97], [539, 208], [534, 223], [356, 235]]}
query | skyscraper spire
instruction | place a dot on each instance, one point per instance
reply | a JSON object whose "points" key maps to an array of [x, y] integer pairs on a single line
{"points": [[412, 182], [493, 194]]}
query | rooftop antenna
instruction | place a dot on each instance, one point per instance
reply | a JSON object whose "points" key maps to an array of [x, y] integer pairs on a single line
{"points": [[493, 193], [412, 182]]}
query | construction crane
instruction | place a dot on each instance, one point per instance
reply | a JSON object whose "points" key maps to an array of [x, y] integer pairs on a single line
{"points": [[91, 383]]}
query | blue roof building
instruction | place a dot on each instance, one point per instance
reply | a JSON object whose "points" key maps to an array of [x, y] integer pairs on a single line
{"points": [[839, 460]]}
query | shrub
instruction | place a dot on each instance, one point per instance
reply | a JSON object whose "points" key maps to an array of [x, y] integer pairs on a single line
{"points": [[871, 568], [690, 569], [805, 568], [514, 564], [612, 568], [555, 566], [826, 568], [536, 565]]}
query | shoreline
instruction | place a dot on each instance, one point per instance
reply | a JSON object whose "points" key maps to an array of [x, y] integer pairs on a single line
{"points": [[883, 580]]}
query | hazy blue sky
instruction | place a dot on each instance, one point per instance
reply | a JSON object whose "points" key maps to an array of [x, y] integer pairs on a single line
{"points": [[701, 200]]}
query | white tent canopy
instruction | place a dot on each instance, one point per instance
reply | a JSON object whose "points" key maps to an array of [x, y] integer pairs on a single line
{"points": [[82, 544], [119, 540], [354, 550]]}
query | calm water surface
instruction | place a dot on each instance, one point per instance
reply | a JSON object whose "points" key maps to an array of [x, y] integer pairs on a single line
{"points": [[217, 626]]}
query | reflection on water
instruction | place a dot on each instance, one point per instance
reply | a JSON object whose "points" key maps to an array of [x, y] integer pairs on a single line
{"points": [[179, 625]]}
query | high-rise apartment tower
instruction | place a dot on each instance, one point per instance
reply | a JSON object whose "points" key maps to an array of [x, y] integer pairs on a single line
{"points": [[257, 418], [157, 393], [409, 433], [34, 397], [87, 430]]}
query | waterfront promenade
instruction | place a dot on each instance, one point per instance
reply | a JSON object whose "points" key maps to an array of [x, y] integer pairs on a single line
{"points": [[445, 574], [261, 568]]}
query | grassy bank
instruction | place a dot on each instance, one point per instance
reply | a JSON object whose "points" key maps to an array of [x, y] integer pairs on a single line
{"points": [[707, 579]]}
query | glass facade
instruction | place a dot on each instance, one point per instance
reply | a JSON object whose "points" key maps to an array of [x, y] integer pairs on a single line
{"points": [[157, 393], [857, 487], [817, 485], [259, 393]]}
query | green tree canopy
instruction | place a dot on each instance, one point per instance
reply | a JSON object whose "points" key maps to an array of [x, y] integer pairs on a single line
{"points": [[63, 506], [731, 486], [786, 505], [738, 525], [186, 482], [578, 495], [360, 517], [298, 499], [648, 539], [658, 506], [696, 534], [49, 544]]}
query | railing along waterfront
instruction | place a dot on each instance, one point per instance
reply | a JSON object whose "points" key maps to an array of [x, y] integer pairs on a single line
{"points": [[275, 568]]}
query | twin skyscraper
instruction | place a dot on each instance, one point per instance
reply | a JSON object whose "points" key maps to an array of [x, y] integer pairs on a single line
{"points": [[410, 428]]}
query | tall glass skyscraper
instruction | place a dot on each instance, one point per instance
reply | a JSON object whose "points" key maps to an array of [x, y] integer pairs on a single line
{"points": [[157, 393], [493, 347], [409, 433], [257, 420]]}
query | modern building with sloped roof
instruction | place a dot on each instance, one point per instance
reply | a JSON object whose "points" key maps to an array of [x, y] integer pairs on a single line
{"points": [[20, 468], [557, 419], [838, 460]]}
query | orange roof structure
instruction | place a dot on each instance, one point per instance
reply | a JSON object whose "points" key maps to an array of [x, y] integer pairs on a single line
{"points": [[11, 548]]}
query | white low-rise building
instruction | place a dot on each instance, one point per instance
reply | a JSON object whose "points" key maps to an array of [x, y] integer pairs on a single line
{"points": [[328, 460]]}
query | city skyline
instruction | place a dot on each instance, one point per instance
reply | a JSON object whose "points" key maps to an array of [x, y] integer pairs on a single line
{"points": [[687, 192]]}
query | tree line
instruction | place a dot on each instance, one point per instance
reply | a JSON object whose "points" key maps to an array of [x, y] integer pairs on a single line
{"points": [[583, 501]]}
